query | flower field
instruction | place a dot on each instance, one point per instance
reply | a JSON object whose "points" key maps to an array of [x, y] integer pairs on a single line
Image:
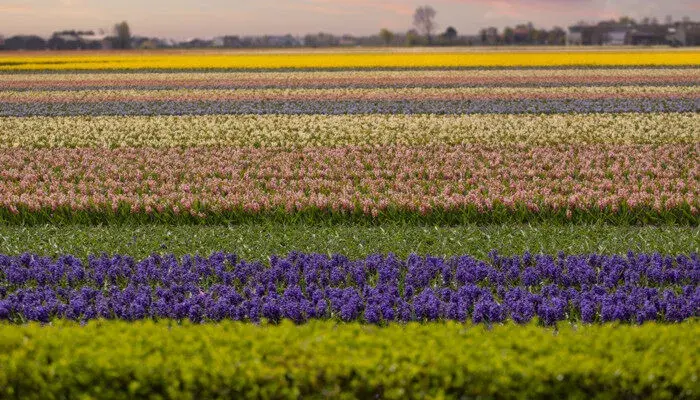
{"points": [[265, 60], [399, 224], [378, 289]]}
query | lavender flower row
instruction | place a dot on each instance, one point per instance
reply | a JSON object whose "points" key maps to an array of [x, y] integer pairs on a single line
{"points": [[375, 78], [389, 85], [538, 106], [377, 289]]}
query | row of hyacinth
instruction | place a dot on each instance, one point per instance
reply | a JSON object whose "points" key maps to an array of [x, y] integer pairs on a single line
{"points": [[377, 289], [65, 87], [643, 179], [441, 107], [315, 61], [349, 78], [349, 130], [353, 94]]}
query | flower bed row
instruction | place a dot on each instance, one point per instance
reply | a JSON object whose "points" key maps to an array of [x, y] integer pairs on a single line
{"points": [[281, 60], [376, 290], [342, 130], [340, 107], [629, 183], [349, 78], [350, 94]]}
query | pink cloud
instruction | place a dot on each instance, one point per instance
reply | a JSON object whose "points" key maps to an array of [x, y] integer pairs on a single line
{"points": [[401, 9], [15, 9], [509, 7], [527, 9], [319, 9], [394, 6]]}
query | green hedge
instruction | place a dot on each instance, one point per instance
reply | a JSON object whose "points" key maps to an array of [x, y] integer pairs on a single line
{"points": [[108, 359]]}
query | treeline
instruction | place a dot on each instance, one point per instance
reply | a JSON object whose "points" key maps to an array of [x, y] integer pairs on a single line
{"points": [[425, 32], [120, 38]]}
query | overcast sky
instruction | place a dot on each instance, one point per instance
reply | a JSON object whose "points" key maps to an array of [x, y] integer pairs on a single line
{"points": [[182, 19]]}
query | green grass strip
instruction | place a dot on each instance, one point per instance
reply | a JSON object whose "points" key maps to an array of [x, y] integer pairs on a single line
{"points": [[259, 241], [682, 214], [112, 359]]}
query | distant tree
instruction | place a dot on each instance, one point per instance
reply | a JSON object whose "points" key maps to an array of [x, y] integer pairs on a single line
{"points": [[540, 36], [122, 36], [450, 34], [508, 35], [424, 21], [626, 21], [232, 41], [58, 42], [321, 39], [412, 38], [386, 35], [34, 42], [311, 40], [557, 36], [20, 42]]}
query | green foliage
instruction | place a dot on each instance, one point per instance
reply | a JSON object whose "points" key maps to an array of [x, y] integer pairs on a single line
{"points": [[259, 241], [113, 359], [499, 214]]}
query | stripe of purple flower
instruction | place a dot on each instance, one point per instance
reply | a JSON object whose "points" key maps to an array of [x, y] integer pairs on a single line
{"points": [[378, 289], [341, 107]]}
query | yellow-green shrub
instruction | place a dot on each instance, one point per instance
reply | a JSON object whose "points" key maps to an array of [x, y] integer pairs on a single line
{"points": [[109, 359]]}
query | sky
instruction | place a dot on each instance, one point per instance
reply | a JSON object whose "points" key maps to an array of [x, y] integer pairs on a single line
{"points": [[180, 19]]}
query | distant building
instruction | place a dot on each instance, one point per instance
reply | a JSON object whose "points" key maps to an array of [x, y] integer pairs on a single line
{"points": [[607, 33], [347, 40], [648, 34], [92, 40], [617, 37], [628, 32], [684, 34], [196, 43], [79, 40], [521, 34], [143, 42], [575, 35]]}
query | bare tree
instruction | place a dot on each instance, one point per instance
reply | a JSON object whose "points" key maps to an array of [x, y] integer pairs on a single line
{"points": [[123, 35], [386, 35], [424, 21]]}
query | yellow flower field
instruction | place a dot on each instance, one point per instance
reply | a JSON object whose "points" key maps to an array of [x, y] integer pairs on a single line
{"points": [[338, 60]]}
